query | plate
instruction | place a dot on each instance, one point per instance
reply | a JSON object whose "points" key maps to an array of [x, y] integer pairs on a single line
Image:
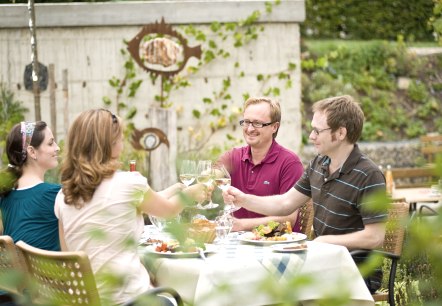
{"points": [[293, 237], [288, 248], [150, 249]]}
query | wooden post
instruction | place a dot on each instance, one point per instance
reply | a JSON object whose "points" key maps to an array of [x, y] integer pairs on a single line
{"points": [[52, 99], [66, 100], [34, 57], [162, 171]]}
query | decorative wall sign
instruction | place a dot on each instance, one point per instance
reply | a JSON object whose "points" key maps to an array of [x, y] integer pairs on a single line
{"points": [[148, 139], [160, 50]]}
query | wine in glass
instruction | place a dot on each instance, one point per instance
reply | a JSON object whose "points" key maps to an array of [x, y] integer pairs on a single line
{"points": [[205, 176], [188, 172], [223, 181]]}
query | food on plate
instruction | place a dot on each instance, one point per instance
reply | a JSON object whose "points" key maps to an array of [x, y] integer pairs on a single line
{"points": [[173, 246], [272, 231], [299, 246]]}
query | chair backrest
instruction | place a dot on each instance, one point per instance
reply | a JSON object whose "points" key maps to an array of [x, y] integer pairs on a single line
{"points": [[414, 177], [431, 145], [61, 278], [305, 215], [398, 215], [11, 268]]}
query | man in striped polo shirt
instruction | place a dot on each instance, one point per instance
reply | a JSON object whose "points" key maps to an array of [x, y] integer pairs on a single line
{"points": [[340, 180]]}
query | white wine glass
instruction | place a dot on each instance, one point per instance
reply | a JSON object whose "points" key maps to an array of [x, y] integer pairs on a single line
{"points": [[205, 176], [188, 172], [223, 181]]}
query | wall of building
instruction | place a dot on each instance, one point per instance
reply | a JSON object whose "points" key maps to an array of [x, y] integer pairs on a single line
{"points": [[86, 39]]}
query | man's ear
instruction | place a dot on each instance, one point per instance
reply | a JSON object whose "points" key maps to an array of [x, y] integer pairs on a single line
{"points": [[342, 133]]}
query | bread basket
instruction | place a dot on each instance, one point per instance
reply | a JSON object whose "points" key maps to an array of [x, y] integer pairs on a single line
{"points": [[202, 231]]}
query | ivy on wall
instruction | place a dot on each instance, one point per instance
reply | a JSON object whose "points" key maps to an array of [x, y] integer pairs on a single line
{"points": [[216, 107]]}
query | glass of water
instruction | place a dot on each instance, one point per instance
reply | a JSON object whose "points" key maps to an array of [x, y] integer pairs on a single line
{"points": [[223, 227]]}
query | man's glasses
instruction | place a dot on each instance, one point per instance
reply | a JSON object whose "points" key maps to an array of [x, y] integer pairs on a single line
{"points": [[255, 124], [317, 132]]}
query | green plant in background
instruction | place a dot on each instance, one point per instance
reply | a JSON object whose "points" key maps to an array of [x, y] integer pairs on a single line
{"points": [[12, 111], [436, 20], [371, 72]]}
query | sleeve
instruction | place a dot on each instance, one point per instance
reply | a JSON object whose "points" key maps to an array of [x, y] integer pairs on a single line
{"points": [[303, 184], [371, 204], [48, 198], [136, 185], [290, 174], [59, 199], [226, 160]]}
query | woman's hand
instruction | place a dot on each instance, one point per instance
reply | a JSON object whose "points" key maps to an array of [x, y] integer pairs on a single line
{"points": [[198, 192], [172, 190]]}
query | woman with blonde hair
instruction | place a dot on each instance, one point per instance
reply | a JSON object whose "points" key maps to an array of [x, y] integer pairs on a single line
{"points": [[100, 207]]}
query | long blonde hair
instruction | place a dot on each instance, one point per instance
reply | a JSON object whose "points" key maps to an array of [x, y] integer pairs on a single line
{"points": [[88, 154]]}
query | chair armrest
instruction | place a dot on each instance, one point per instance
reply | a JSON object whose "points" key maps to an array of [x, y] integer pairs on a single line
{"points": [[433, 212], [368, 252]]}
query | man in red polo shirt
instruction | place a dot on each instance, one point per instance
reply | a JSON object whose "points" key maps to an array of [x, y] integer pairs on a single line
{"points": [[263, 167]]}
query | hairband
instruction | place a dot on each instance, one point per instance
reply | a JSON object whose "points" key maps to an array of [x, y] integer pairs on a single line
{"points": [[27, 130]]}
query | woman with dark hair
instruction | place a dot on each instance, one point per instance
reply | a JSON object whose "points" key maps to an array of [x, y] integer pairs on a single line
{"points": [[26, 201]]}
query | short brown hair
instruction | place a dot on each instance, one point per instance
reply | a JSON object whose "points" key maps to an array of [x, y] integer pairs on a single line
{"points": [[342, 111], [275, 108]]}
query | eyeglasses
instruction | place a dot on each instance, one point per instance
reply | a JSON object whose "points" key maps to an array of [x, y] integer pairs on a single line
{"points": [[255, 124], [317, 132]]}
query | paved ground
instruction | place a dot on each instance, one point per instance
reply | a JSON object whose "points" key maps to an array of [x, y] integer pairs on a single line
{"points": [[426, 51]]}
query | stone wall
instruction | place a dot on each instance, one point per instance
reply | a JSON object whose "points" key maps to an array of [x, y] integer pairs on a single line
{"points": [[397, 154], [86, 38]]}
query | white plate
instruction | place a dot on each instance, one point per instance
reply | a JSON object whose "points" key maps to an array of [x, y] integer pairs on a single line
{"points": [[285, 248], [150, 249], [293, 237]]}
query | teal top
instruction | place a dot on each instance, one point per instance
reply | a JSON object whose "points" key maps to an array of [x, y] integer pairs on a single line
{"points": [[28, 215]]}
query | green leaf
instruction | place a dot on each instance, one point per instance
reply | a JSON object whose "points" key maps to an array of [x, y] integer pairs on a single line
{"points": [[196, 113], [207, 100], [107, 101]]}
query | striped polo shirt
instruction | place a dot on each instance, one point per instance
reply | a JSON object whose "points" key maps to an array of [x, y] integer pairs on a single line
{"points": [[340, 198]]}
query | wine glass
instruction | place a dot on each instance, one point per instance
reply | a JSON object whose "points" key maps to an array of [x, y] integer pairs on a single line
{"points": [[159, 223], [223, 226], [205, 176], [188, 172], [223, 181]]}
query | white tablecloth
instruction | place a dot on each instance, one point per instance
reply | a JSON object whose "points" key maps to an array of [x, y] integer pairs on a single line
{"points": [[240, 274]]}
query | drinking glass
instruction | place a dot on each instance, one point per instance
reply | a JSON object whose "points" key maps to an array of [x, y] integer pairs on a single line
{"points": [[188, 172], [224, 224], [159, 223], [205, 176], [223, 181]]}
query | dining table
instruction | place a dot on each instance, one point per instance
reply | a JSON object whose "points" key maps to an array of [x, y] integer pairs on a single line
{"points": [[237, 271], [415, 195]]}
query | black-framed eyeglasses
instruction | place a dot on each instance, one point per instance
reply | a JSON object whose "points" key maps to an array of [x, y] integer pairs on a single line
{"points": [[255, 124], [317, 132]]}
